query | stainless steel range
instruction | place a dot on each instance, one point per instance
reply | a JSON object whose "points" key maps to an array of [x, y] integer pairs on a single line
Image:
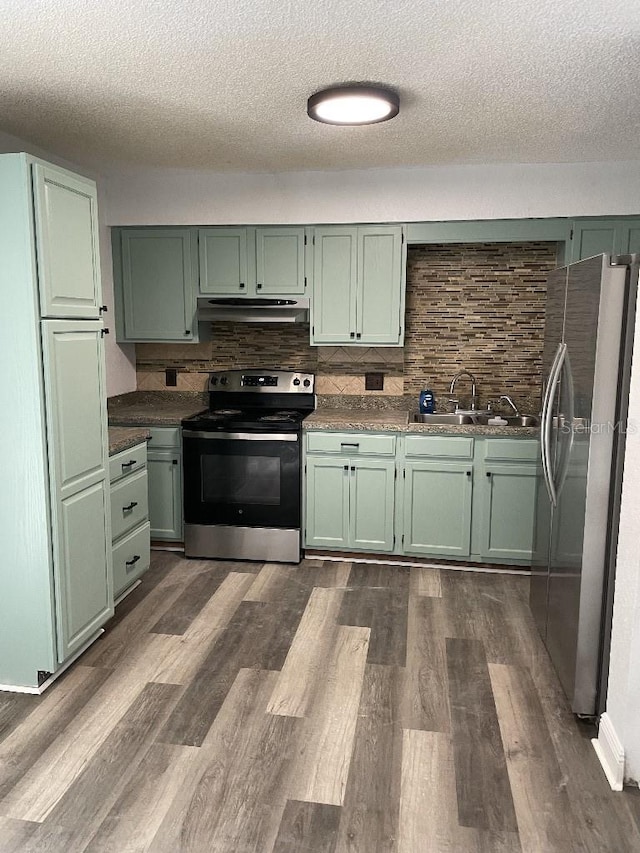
{"points": [[242, 467]]}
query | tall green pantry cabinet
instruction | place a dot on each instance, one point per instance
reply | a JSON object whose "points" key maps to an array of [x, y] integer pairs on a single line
{"points": [[55, 575]]}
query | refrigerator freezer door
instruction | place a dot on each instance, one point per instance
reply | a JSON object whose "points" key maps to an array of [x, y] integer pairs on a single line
{"points": [[554, 327], [587, 404]]}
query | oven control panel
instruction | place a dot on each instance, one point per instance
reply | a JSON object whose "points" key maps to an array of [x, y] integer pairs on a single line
{"points": [[257, 381], [275, 381]]}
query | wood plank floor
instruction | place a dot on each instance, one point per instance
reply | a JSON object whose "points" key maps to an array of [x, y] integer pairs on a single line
{"points": [[325, 708]]}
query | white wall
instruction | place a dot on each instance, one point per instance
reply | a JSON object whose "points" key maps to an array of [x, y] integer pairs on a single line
{"points": [[623, 700], [175, 196], [120, 360]]}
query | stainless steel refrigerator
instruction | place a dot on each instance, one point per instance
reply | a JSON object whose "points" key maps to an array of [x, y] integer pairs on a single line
{"points": [[590, 313]]}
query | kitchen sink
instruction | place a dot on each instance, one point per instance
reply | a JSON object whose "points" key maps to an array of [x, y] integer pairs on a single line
{"points": [[512, 420], [459, 418], [444, 419]]}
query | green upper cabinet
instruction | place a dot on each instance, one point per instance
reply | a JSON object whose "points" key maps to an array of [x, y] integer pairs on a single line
{"points": [[335, 257], [155, 274], [630, 237], [223, 261], [280, 261], [66, 216], [596, 236], [247, 261], [381, 284], [358, 285]]}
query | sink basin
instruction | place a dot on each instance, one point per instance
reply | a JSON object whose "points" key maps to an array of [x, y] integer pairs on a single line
{"points": [[460, 418], [443, 419], [512, 420]]}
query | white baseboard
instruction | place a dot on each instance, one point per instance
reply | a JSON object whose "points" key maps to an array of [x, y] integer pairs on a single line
{"points": [[610, 751], [12, 688]]}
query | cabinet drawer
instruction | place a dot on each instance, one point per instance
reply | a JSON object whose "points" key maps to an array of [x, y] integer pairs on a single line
{"points": [[511, 450], [129, 503], [352, 444], [127, 462], [421, 446], [131, 558], [164, 437]]}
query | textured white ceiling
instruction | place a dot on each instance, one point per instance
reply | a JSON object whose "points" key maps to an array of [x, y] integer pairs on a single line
{"points": [[222, 84]]}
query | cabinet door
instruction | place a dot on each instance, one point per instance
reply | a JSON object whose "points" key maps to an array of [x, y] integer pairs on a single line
{"points": [[630, 237], [158, 284], [372, 492], [66, 214], [75, 401], [508, 500], [327, 504], [334, 286], [380, 285], [84, 596], [224, 266], [437, 509], [593, 237], [279, 261], [165, 494]]}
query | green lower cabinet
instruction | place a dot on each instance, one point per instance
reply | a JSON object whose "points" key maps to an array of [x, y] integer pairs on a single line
{"points": [[507, 498], [350, 503], [164, 471], [437, 508], [327, 510], [84, 596], [371, 494]]}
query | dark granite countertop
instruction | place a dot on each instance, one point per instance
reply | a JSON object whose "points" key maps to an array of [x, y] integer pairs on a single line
{"points": [[154, 408], [122, 438], [388, 420]]}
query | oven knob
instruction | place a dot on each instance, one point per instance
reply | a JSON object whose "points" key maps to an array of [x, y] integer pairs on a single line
{"points": [[214, 380], [306, 383], [224, 380], [296, 381]]}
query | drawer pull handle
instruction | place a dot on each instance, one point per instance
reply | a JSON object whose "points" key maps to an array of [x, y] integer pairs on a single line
{"points": [[349, 444], [130, 507], [129, 463], [133, 560]]}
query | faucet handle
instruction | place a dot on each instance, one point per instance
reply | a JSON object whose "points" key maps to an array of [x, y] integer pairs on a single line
{"points": [[455, 402]]}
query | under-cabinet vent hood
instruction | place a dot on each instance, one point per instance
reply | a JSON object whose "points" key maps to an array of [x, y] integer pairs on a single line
{"points": [[248, 310]]}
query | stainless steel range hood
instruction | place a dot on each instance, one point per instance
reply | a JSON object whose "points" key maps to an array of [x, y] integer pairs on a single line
{"points": [[253, 310]]}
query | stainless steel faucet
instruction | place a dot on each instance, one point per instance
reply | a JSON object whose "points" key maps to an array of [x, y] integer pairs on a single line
{"points": [[474, 395], [510, 402]]}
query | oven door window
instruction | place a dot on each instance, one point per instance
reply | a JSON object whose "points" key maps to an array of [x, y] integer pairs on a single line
{"points": [[242, 482]]}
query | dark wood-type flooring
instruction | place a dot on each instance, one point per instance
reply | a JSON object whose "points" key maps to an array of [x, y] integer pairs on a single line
{"points": [[324, 708]]}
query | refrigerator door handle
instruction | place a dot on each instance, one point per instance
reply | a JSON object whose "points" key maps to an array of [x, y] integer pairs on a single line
{"points": [[547, 421], [570, 420]]}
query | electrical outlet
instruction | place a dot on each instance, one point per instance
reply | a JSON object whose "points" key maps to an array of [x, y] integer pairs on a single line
{"points": [[374, 381], [170, 377]]}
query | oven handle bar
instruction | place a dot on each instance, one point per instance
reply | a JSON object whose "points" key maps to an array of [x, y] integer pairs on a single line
{"points": [[240, 436]]}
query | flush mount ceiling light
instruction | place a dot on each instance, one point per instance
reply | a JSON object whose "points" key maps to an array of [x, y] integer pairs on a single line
{"points": [[353, 105]]}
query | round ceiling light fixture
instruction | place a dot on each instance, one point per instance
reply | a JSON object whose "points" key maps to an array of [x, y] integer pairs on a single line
{"points": [[353, 105]]}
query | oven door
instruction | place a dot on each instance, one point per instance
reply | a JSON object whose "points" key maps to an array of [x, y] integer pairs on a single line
{"points": [[246, 479]]}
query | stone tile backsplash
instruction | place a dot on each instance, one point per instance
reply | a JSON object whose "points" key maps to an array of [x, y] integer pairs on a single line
{"points": [[475, 306]]}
